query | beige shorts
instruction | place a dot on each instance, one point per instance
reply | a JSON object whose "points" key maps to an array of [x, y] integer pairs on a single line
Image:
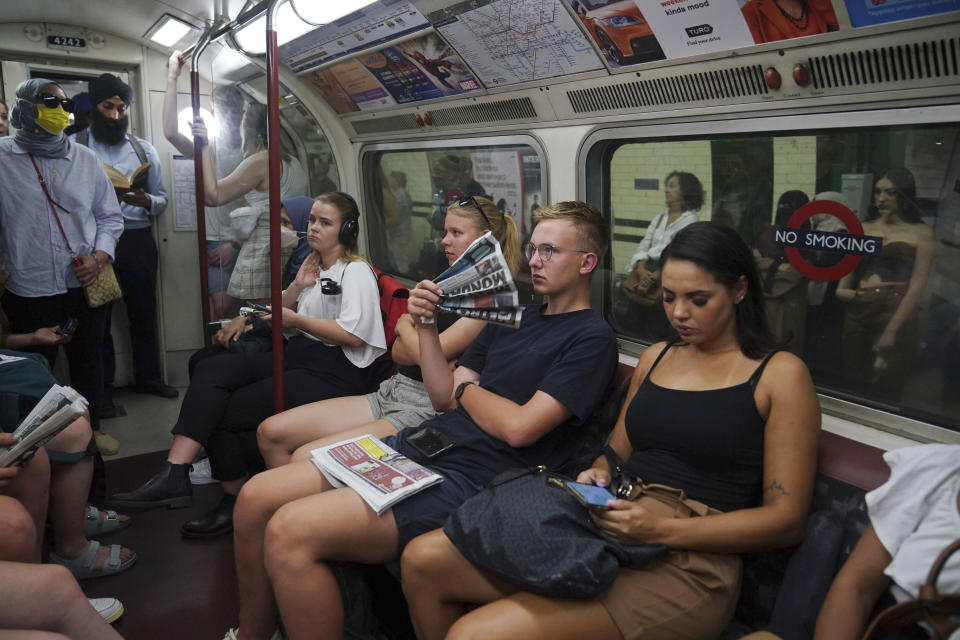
{"points": [[687, 594]]}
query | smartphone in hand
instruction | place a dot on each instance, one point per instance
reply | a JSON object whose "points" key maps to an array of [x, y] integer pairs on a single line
{"points": [[68, 325], [590, 495]]}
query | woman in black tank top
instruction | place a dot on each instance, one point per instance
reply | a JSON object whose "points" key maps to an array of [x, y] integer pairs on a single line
{"points": [[720, 431]]}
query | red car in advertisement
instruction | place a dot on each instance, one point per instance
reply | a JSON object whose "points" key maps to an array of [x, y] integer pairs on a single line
{"points": [[620, 30]]}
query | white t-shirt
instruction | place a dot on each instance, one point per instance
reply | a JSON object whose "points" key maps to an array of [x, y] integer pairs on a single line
{"points": [[356, 308], [915, 515]]}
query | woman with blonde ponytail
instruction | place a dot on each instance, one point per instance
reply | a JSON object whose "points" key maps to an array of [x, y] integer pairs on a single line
{"points": [[402, 400]]}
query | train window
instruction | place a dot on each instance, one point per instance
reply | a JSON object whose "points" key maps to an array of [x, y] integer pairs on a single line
{"points": [[411, 186], [863, 284]]}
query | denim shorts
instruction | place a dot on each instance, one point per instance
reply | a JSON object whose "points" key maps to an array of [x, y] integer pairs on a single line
{"points": [[218, 275], [402, 401]]}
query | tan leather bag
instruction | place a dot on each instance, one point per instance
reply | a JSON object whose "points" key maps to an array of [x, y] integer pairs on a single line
{"points": [[642, 285], [929, 606]]}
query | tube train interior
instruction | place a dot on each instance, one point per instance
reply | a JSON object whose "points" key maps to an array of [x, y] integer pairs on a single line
{"points": [[410, 105]]}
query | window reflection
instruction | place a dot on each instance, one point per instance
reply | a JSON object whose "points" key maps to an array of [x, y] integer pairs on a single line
{"points": [[887, 332], [412, 189]]}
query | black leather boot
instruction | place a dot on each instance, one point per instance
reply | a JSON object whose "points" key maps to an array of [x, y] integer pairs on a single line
{"points": [[213, 523], [170, 487]]}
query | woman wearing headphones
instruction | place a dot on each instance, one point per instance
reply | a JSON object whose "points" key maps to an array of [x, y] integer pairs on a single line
{"points": [[334, 305]]}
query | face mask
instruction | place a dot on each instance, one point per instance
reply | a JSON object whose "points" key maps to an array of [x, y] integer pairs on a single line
{"points": [[52, 120], [288, 238]]}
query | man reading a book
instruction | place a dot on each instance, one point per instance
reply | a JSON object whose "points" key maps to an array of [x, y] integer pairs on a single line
{"points": [[517, 398], [133, 165]]}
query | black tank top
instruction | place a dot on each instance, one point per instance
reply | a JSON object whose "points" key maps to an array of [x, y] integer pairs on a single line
{"points": [[708, 443]]}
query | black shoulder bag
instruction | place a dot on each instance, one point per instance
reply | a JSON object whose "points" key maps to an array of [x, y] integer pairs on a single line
{"points": [[527, 529]]}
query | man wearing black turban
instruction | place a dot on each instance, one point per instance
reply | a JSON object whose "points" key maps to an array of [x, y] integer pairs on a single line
{"points": [[136, 262]]}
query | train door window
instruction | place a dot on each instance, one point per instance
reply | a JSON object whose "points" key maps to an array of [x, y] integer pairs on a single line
{"points": [[411, 186], [863, 284]]}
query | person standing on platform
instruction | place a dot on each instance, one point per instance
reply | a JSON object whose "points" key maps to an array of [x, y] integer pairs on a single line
{"points": [[136, 263]]}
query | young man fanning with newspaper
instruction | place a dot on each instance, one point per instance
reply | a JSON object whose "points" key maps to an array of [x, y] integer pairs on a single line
{"points": [[516, 400]]}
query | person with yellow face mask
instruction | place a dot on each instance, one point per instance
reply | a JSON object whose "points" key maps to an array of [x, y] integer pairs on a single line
{"points": [[45, 173]]}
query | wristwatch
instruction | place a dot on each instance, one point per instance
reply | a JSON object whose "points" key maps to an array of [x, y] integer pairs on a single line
{"points": [[460, 389]]}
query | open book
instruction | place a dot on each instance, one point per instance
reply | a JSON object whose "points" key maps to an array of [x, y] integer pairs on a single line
{"points": [[59, 407], [379, 474], [137, 179]]}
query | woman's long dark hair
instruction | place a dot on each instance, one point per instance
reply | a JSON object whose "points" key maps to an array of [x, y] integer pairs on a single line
{"points": [[723, 253], [906, 188]]}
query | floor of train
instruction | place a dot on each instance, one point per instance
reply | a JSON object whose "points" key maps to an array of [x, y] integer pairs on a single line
{"points": [[178, 588]]}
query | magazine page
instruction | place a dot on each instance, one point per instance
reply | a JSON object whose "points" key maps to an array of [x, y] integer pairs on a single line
{"points": [[380, 475]]}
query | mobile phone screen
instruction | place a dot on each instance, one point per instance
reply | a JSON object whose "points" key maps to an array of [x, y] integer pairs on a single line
{"points": [[590, 494]]}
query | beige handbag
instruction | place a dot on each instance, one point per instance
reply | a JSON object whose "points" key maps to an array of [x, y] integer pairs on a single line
{"points": [[105, 288]]}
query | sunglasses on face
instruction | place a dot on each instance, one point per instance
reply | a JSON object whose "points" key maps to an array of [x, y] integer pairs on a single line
{"points": [[470, 200], [52, 102]]}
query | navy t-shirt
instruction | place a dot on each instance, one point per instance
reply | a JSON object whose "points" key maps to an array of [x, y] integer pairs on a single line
{"points": [[570, 356]]}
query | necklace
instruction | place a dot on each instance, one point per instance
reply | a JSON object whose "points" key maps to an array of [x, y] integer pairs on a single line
{"points": [[802, 21]]}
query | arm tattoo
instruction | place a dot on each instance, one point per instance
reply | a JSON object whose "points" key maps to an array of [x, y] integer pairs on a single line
{"points": [[777, 486]]}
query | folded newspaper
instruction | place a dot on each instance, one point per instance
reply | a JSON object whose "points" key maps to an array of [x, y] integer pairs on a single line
{"points": [[59, 407], [379, 474], [479, 285]]}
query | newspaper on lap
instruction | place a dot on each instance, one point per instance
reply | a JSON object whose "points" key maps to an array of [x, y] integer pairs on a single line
{"points": [[58, 407], [379, 474], [479, 285]]}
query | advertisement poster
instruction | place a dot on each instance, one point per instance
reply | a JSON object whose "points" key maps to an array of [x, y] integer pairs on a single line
{"points": [[691, 27], [376, 23], [620, 30], [864, 13], [772, 20], [420, 69], [325, 83], [360, 85], [500, 174], [511, 41]]}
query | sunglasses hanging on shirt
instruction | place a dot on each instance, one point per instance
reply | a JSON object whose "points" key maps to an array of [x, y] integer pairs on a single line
{"points": [[329, 287]]}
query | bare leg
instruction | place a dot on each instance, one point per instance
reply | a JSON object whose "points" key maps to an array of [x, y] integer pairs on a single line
{"points": [[31, 486], [378, 428], [20, 634], [438, 581], [183, 450], [525, 616], [280, 435], [223, 304], [306, 534], [258, 501], [69, 488], [18, 531], [63, 607]]}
